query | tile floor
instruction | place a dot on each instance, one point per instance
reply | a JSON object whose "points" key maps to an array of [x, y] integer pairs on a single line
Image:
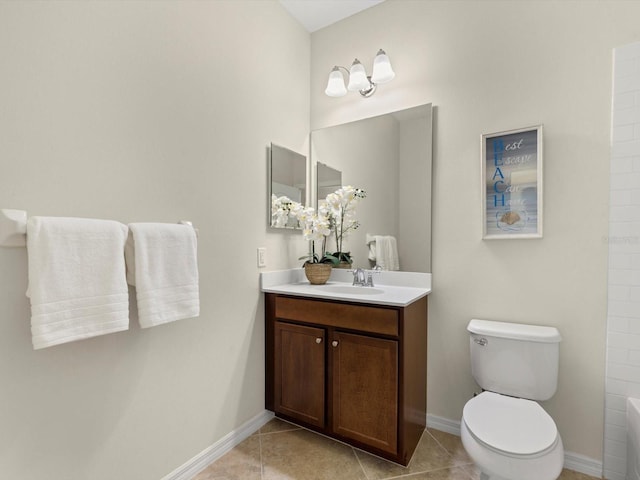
{"points": [[282, 451]]}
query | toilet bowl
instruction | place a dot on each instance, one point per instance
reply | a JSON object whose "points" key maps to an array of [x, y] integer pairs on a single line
{"points": [[511, 438], [504, 430]]}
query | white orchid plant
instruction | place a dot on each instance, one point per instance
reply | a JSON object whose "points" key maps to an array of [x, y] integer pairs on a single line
{"points": [[284, 212], [315, 226], [341, 208], [336, 215]]}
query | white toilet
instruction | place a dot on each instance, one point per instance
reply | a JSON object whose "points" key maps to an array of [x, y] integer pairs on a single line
{"points": [[504, 430]]}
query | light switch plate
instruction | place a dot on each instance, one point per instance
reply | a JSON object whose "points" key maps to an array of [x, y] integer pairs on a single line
{"points": [[262, 257]]}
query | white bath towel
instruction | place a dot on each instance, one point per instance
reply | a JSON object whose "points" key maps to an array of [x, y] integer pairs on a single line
{"points": [[162, 263], [383, 250], [77, 282]]}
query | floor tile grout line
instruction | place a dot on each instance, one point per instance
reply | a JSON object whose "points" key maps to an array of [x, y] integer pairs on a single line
{"points": [[426, 430], [462, 468], [281, 431], [408, 474], [354, 449], [422, 472], [355, 454]]}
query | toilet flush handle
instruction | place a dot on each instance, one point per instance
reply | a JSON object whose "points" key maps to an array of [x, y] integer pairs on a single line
{"points": [[481, 341]]}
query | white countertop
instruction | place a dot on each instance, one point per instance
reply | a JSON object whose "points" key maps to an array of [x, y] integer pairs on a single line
{"points": [[392, 288]]}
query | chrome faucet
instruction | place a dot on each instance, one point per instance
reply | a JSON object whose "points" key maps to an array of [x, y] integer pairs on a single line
{"points": [[376, 269], [358, 277], [369, 279]]}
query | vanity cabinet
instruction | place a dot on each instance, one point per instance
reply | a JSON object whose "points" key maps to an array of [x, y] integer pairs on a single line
{"points": [[353, 371], [300, 373], [365, 390]]}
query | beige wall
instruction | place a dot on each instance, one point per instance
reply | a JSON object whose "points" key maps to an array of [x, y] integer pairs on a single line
{"points": [[490, 66], [144, 111], [159, 111]]}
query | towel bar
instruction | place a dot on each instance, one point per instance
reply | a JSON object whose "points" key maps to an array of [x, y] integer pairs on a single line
{"points": [[13, 227], [187, 222]]}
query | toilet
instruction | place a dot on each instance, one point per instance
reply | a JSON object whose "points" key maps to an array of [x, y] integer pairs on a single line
{"points": [[504, 430]]}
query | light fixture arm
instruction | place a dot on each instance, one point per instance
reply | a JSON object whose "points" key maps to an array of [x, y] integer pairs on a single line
{"points": [[367, 92], [343, 68]]}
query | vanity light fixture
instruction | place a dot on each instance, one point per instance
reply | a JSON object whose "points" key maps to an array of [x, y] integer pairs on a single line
{"points": [[358, 79]]}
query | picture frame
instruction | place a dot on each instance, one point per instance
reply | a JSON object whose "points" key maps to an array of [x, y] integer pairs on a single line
{"points": [[512, 198]]}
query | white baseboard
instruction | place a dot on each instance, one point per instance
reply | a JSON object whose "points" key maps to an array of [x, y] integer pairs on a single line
{"points": [[572, 461], [443, 424], [582, 464], [218, 449]]}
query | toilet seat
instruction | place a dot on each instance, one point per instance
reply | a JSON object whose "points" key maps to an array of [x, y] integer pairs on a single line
{"points": [[511, 426]]}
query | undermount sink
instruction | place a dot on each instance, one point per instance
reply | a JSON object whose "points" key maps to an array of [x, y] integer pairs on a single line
{"points": [[352, 290]]}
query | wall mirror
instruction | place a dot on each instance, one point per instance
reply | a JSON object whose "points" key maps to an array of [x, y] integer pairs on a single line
{"points": [[328, 180], [390, 157], [287, 182]]}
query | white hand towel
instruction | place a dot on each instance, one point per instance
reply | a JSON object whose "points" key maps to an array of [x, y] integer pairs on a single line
{"points": [[162, 263], [77, 282], [387, 252], [371, 243]]}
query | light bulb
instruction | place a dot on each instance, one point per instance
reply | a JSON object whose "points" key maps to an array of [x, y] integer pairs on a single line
{"points": [[382, 71], [335, 85], [358, 77]]}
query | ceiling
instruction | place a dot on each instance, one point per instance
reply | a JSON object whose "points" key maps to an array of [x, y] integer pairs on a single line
{"points": [[317, 14]]}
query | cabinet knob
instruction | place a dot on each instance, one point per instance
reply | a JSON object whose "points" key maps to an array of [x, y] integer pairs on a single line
{"points": [[334, 343], [319, 340]]}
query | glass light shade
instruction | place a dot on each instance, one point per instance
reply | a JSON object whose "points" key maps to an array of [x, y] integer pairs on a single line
{"points": [[357, 77], [335, 85], [382, 71]]}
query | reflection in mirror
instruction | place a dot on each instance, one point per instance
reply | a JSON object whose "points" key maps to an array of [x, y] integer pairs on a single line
{"points": [[389, 156], [328, 180], [287, 186]]}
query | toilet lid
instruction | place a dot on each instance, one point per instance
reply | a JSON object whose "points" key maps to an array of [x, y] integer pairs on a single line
{"points": [[511, 425]]}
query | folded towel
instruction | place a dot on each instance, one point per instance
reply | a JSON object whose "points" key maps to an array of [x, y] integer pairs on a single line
{"points": [[386, 255], [387, 252], [77, 282], [371, 243], [162, 264]]}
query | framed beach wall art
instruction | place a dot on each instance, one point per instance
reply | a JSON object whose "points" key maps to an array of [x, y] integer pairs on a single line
{"points": [[512, 184]]}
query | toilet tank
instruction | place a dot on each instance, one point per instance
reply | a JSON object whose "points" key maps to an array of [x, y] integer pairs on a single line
{"points": [[515, 359]]}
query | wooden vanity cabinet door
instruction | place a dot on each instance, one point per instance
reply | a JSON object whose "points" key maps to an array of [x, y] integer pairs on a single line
{"points": [[365, 389], [299, 372]]}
